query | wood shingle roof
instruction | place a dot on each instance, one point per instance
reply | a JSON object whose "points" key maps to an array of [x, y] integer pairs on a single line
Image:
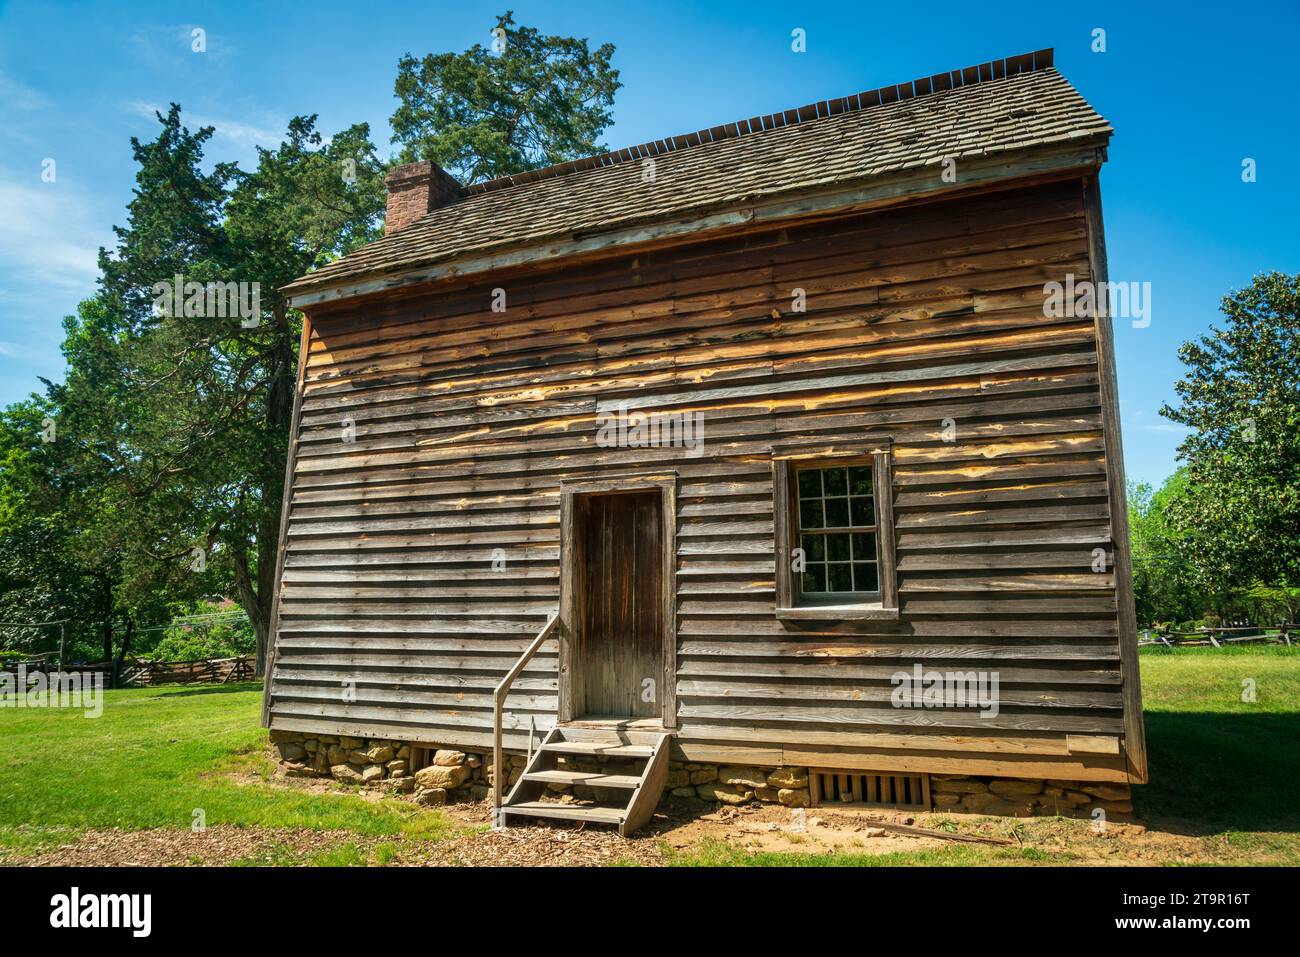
{"points": [[1013, 104]]}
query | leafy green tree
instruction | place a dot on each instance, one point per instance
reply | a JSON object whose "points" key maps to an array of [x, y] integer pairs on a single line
{"points": [[53, 516], [1165, 583], [166, 482], [117, 475], [186, 414], [525, 102], [1240, 396], [39, 580], [1270, 604], [306, 203]]}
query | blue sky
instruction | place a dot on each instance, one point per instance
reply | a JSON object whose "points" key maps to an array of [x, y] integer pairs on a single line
{"points": [[1190, 91]]}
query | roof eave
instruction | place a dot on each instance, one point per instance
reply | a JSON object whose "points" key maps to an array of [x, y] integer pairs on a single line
{"points": [[923, 181]]}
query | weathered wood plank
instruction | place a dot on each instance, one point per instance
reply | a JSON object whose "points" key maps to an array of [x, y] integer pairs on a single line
{"points": [[424, 547]]}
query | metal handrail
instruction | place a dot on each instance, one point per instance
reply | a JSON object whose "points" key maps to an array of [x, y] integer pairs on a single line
{"points": [[498, 712]]}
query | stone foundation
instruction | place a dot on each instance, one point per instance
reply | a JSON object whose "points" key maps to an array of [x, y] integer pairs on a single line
{"points": [[433, 776], [1014, 797], [437, 776]]}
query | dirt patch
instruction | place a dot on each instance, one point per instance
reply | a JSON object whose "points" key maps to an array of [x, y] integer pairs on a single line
{"points": [[178, 847], [679, 827], [218, 846], [536, 846], [471, 844], [770, 828]]}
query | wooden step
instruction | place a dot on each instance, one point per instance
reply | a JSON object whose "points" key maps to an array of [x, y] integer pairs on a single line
{"points": [[643, 787], [606, 748], [566, 812], [592, 779]]}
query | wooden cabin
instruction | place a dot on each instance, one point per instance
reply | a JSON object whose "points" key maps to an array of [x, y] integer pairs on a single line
{"points": [[706, 452]]}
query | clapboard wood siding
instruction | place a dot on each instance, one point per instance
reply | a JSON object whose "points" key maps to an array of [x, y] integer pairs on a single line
{"points": [[434, 434]]}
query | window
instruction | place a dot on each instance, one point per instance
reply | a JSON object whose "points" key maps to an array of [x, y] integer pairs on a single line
{"points": [[837, 532], [834, 518]]}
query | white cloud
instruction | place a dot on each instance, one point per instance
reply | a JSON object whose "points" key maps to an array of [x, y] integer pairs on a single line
{"points": [[15, 95], [21, 107], [242, 134], [1148, 421], [16, 350], [166, 46], [49, 240]]}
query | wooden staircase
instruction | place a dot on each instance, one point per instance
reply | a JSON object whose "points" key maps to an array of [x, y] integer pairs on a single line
{"points": [[635, 767]]}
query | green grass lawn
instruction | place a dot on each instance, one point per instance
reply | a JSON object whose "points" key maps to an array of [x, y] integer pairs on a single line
{"points": [[152, 759], [1221, 764], [1223, 775]]}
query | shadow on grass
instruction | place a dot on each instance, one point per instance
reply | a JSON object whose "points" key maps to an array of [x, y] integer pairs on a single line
{"points": [[1212, 772]]}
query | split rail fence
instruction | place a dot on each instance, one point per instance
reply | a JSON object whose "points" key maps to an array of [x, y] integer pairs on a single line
{"points": [[1219, 637], [141, 672]]}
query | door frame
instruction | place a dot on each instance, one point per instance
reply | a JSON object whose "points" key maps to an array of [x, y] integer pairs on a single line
{"points": [[665, 482]]}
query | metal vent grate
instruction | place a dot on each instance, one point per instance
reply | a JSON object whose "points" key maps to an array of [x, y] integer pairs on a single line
{"points": [[868, 789]]}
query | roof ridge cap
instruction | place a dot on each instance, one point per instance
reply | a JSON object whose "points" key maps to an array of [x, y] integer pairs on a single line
{"points": [[922, 86]]}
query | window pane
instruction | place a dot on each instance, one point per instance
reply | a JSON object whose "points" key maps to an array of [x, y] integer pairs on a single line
{"points": [[837, 513], [864, 511], [860, 480], [814, 548], [865, 576], [838, 562], [810, 514], [864, 547], [837, 548]]}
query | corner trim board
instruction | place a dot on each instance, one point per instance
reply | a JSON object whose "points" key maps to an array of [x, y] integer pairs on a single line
{"points": [[290, 461], [1130, 670]]}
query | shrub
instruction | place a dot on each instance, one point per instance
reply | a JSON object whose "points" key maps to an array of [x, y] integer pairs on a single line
{"points": [[192, 640]]}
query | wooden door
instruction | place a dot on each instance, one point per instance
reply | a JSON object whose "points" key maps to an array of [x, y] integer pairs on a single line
{"points": [[618, 648]]}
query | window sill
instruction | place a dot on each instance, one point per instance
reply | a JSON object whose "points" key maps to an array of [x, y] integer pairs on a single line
{"points": [[875, 612]]}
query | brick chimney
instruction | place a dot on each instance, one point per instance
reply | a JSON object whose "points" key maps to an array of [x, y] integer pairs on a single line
{"points": [[416, 189]]}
